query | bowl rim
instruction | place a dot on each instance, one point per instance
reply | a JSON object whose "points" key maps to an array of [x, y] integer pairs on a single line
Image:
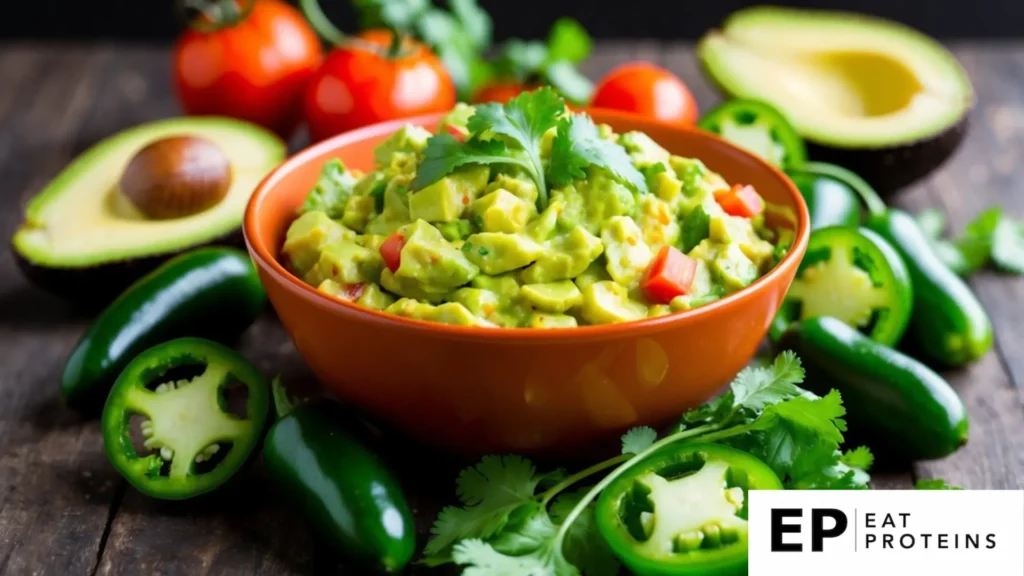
{"points": [[270, 263]]}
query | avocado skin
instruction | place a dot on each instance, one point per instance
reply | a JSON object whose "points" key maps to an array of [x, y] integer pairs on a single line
{"points": [[893, 168], [94, 287]]}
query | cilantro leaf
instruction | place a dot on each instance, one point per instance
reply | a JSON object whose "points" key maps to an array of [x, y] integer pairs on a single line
{"points": [[934, 484], [859, 457], [1008, 246], [583, 545], [529, 527], [570, 82], [756, 388], [474, 20], [444, 153], [490, 491], [332, 189], [636, 440], [569, 41], [992, 237], [523, 120], [696, 227], [578, 144], [482, 559]]}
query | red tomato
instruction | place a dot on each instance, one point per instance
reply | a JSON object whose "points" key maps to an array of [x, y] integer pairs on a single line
{"points": [[391, 251], [256, 69], [669, 274], [501, 92], [643, 88], [740, 201], [360, 84]]}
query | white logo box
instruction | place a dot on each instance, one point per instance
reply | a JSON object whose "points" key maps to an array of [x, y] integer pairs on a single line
{"points": [[904, 532]]}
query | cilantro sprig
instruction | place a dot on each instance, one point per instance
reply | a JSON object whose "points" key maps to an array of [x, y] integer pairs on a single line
{"points": [[512, 134], [517, 522], [991, 239]]}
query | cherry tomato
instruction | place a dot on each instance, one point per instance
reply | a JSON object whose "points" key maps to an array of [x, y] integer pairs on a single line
{"points": [[360, 83], [501, 92], [643, 88], [255, 69]]}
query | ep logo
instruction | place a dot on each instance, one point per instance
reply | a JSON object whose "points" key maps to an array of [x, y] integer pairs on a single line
{"points": [[821, 523]]}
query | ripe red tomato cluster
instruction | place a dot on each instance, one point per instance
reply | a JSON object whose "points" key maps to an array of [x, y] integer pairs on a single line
{"points": [[267, 66]]}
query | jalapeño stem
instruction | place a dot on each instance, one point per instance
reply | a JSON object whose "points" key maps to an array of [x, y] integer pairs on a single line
{"points": [[282, 404]]}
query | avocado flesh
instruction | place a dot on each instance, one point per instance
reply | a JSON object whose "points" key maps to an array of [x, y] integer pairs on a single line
{"points": [[82, 223], [865, 92]]}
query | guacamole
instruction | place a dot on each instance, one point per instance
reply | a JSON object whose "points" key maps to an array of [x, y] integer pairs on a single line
{"points": [[480, 247]]}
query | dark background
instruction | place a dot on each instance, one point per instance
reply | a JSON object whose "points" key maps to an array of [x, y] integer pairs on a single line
{"points": [[155, 20]]}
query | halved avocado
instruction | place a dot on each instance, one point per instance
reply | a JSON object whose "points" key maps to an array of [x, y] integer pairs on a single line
{"points": [[84, 239], [868, 94]]}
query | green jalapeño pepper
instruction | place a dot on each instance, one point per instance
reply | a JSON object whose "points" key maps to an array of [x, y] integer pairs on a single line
{"points": [[339, 484], [683, 511], [759, 128], [854, 275], [829, 194], [206, 293], [949, 324], [893, 401], [192, 439]]}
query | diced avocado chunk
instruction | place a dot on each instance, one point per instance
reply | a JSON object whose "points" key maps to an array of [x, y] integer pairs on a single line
{"points": [[625, 252], [658, 223], [346, 263], [429, 260], [659, 310], [332, 189], [396, 208], [343, 291], [591, 202], [552, 296], [447, 313], [409, 288], [566, 257], [456, 120], [543, 227], [521, 186], [408, 138], [697, 180], [482, 303], [666, 186], [375, 298], [447, 199], [502, 211], [456, 230], [307, 235], [734, 268], [505, 285], [358, 211], [495, 252], [642, 149], [541, 320], [608, 302], [595, 272]]}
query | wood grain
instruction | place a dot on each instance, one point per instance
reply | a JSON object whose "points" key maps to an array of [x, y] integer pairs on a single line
{"points": [[63, 510]]}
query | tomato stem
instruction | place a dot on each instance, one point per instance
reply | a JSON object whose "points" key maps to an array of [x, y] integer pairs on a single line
{"points": [[395, 48], [320, 22], [214, 15]]}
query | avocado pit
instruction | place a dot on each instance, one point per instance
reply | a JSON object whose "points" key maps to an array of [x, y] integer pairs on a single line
{"points": [[176, 177]]}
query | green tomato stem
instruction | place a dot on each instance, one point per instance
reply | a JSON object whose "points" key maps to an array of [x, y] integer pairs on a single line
{"points": [[282, 404], [688, 434], [320, 22]]}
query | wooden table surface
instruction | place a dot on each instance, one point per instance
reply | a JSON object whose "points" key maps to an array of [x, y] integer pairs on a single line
{"points": [[65, 511]]}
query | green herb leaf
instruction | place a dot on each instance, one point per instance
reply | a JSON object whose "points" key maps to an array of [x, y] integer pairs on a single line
{"points": [[474, 20], [859, 457], [570, 82], [490, 492], [578, 145], [569, 41], [757, 388], [482, 559], [636, 440], [331, 191], [934, 484], [584, 546], [696, 227], [522, 59], [1008, 246], [397, 14], [932, 222], [529, 527], [444, 153]]}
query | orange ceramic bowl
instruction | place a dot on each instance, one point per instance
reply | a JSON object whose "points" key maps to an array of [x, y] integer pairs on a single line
{"points": [[476, 390]]}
